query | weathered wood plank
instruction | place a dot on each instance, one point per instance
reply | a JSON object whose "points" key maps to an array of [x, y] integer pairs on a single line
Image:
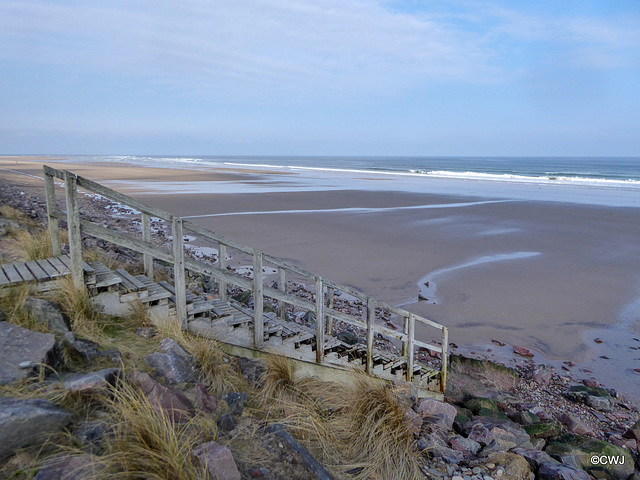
{"points": [[222, 264], [73, 227], [371, 327], [320, 320], [147, 259], [178, 270], [130, 281], [258, 325], [48, 268], [11, 273], [24, 272], [444, 359], [52, 220], [59, 266], [3, 278], [37, 271], [411, 334]]}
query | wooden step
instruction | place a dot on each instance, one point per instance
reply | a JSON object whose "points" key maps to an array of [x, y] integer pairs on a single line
{"points": [[105, 277], [157, 292], [130, 282]]}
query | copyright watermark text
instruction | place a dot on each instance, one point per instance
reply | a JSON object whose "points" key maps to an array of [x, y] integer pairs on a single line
{"points": [[607, 460]]}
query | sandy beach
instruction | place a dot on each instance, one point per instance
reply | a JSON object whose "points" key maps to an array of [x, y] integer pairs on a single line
{"points": [[550, 276]]}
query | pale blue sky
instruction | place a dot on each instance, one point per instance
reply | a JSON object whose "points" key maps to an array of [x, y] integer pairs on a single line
{"points": [[320, 77]]}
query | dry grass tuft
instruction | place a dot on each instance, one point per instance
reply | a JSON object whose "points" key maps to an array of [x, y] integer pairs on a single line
{"points": [[78, 307], [361, 425], [215, 367], [149, 444], [12, 304], [279, 383], [25, 246], [11, 213]]}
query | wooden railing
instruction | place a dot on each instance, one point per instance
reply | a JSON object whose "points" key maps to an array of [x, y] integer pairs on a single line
{"points": [[325, 290]]}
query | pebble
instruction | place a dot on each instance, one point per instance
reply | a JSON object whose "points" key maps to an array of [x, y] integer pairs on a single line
{"points": [[499, 472], [476, 470], [490, 466], [457, 477], [487, 477]]}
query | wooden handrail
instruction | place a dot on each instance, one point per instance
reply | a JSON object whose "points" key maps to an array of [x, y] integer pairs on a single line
{"points": [[322, 305]]}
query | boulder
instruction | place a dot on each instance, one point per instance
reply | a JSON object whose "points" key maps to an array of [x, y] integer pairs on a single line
{"points": [[28, 422], [490, 374], [555, 471], [165, 399], [524, 418], [444, 413], [217, 460], [87, 350], [172, 363], [236, 401], [347, 337], [71, 467], [524, 351], [227, 422], [544, 429], [207, 403], [465, 445], [540, 374], [90, 382], [20, 346], [515, 466], [535, 457], [253, 371], [594, 397], [575, 425], [47, 313], [633, 432], [578, 451]]}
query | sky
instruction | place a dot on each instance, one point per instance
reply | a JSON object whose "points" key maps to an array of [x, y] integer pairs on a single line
{"points": [[320, 77]]}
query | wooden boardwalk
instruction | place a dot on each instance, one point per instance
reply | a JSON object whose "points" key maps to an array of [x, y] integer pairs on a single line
{"points": [[41, 272], [242, 331]]}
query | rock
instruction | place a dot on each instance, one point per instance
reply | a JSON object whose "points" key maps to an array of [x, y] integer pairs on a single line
{"points": [[525, 352], [515, 466], [71, 467], [535, 457], [348, 337], [87, 350], [481, 434], [575, 424], [47, 313], [172, 363], [146, 332], [464, 370], [235, 401], [578, 451], [18, 345], [207, 403], [413, 420], [7, 226], [595, 397], [540, 374], [430, 408], [543, 430], [3, 317], [227, 422], [465, 445], [253, 371], [555, 471], [525, 418], [28, 422], [633, 432], [165, 399], [91, 435], [447, 454], [90, 382], [485, 407], [218, 461]]}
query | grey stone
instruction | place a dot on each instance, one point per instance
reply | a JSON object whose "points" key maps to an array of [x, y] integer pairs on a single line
{"points": [[447, 454], [347, 337], [172, 363], [28, 422], [207, 403], [93, 381], [595, 397], [165, 399], [47, 313], [235, 401], [71, 467], [87, 350], [444, 413], [535, 457], [467, 445], [18, 345], [575, 424], [227, 422], [218, 461], [253, 370], [555, 471]]}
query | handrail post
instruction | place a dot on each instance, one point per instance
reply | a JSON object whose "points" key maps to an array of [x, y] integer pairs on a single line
{"points": [[411, 331], [222, 264], [258, 321], [371, 319], [282, 286], [330, 302], [178, 271], [73, 227], [52, 211], [147, 259], [444, 359], [320, 321], [405, 330]]}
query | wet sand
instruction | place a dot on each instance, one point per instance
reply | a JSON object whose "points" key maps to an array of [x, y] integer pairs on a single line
{"points": [[545, 275]]}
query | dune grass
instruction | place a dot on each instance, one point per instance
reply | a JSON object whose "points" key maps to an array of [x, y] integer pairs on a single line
{"points": [[357, 427]]}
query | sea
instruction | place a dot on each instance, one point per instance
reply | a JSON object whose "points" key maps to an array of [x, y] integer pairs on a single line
{"points": [[607, 181]]}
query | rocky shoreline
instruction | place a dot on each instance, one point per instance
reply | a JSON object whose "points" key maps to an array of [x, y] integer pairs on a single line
{"points": [[496, 421]]}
